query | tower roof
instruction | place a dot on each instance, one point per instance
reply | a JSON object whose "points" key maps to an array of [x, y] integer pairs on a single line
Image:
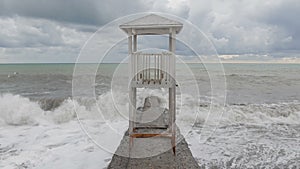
{"points": [[151, 24]]}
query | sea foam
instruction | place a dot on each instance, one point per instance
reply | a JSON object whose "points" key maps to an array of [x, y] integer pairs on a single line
{"points": [[18, 110]]}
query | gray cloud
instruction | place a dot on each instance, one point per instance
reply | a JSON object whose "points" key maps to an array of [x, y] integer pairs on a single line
{"points": [[249, 26], [55, 27], [38, 40], [20, 32], [285, 15], [76, 11]]}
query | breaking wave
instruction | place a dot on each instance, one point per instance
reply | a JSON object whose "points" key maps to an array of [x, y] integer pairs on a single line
{"points": [[19, 110]]}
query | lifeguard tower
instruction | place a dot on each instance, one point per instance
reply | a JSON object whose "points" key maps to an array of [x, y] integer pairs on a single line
{"points": [[152, 70]]}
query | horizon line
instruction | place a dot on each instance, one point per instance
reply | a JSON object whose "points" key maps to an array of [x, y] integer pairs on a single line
{"points": [[226, 62]]}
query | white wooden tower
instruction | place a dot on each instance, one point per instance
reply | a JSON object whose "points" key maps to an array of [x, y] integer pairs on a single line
{"points": [[152, 70]]}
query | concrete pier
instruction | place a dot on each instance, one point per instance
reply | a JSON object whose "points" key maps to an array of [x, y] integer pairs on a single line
{"points": [[152, 153]]}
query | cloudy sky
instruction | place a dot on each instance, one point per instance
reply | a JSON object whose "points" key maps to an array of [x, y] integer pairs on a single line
{"points": [[241, 30]]}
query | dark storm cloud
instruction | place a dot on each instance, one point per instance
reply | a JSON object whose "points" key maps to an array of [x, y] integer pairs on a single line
{"points": [[255, 26], [285, 15], [75, 11]]}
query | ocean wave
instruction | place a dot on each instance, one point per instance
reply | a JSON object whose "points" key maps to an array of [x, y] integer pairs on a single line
{"points": [[250, 75], [284, 112], [18, 110], [50, 103]]}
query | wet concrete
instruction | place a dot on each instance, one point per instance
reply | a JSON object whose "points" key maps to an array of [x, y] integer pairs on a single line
{"points": [[153, 153]]}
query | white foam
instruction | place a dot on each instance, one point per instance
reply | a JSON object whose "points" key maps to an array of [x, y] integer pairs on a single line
{"points": [[17, 110], [44, 139]]}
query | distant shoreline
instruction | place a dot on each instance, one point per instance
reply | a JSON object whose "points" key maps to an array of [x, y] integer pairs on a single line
{"points": [[177, 63]]}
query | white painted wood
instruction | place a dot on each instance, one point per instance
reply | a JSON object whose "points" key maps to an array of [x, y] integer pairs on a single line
{"points": [[130, 78], [152, 20], [151, 24], [133, 106], [149, 70], [149, 65], [173, 89], [154, 63], [152, 31], [130, 60], [135, 58], [173, 41], [161, 65]]}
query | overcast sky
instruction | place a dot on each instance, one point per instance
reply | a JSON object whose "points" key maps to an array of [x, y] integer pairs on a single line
{"points": [[241, 30]]}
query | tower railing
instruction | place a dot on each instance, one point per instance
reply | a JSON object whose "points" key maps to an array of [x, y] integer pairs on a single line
{"points": [[152, 69]]}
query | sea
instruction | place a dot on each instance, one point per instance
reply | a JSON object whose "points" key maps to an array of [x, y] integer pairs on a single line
{"points": [[49, 119]]}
